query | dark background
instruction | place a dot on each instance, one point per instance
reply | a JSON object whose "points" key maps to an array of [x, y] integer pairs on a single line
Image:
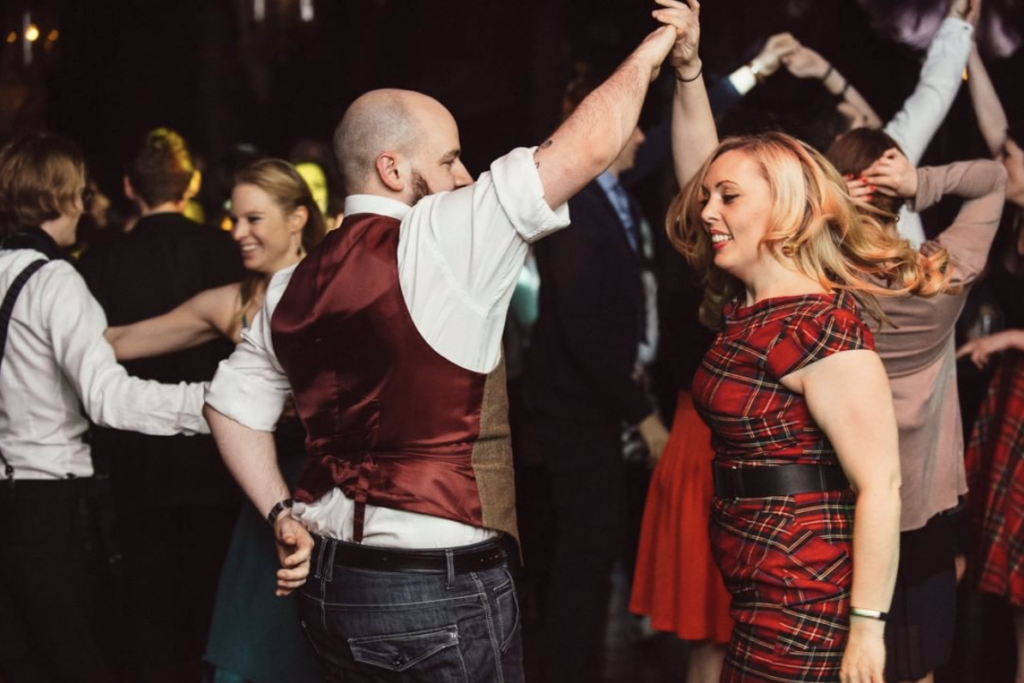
{"points": [[208, 69]]}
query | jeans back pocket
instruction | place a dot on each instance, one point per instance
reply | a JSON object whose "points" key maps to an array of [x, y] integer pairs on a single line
{"points": [[403, 651]]}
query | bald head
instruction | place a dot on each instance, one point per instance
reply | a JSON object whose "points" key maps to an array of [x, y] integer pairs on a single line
{"points": [[386, 120]]}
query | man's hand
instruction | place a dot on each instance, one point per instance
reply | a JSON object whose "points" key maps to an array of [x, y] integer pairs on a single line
{"points": [[864, 658], [654, 434], [778, 46], [684, 17], [655, 47], [892, 174], [804, 62], [294, 548]]}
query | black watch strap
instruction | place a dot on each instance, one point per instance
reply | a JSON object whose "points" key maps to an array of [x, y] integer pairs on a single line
{"points": [[278, 508]]}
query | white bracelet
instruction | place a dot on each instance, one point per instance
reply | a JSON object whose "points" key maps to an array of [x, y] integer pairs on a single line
{"points": [[869, 613]]}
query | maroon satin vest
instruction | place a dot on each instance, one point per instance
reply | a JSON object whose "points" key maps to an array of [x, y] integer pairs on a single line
{"points": [[388, 420]]}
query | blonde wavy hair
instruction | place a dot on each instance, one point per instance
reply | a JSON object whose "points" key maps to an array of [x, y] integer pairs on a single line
{"points": [[830, 238]]}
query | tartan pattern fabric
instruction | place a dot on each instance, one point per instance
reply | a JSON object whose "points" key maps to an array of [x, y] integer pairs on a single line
{"points": [[786, 560], [995, 463], [754, 419]]}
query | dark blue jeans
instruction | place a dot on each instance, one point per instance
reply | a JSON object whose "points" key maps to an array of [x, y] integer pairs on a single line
{"points": [[396, 627]]}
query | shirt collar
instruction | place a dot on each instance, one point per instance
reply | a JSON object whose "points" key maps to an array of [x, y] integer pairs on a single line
{"points": [[34, 238], [608, 182], [371, 203]]}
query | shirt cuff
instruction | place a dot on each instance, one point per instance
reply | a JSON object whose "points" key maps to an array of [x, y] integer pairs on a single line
{"points": [[743, 79], [521, 195], [245, 399]]}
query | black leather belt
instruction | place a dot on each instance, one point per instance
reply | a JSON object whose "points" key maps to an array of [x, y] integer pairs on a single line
{"points": [[472, 558], [777, 480]]}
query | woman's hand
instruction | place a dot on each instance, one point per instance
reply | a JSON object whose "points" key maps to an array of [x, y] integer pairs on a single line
{"points": [[685, 18], [858, 188], [804, 62], [982, 348], [892, 174], [864, 658], [775, 48]]}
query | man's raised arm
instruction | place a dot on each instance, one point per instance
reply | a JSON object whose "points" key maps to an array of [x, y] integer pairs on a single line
{"points": [[591, 138]]}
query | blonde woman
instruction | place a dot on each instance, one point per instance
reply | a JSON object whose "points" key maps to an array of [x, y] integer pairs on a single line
{"points": [[805, 519], [275, 222]]}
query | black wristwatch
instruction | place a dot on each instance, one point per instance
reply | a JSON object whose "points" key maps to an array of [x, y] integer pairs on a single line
{"points": [[278, 508]]}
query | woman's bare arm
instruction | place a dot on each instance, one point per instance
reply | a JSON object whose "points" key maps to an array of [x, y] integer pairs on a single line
{"points": [[204, 317], [987, 108], [849, 397]]}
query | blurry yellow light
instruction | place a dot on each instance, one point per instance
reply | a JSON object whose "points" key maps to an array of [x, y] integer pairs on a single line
{"points": [[12, 37], [53, 35], [32, 33]]}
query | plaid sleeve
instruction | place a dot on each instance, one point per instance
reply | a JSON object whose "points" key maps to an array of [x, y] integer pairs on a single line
{"points": [[807, 339]]}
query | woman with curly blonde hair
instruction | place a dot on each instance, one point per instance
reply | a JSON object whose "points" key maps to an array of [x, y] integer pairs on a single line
{"points": [[805, 517], [813, 227]]}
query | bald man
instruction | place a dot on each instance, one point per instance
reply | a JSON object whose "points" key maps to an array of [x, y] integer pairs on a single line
{"points": [[389, 335]]}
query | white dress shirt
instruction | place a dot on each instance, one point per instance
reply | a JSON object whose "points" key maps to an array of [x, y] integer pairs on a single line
{"points": [[923, 112], [459, 258], [57, 363]]}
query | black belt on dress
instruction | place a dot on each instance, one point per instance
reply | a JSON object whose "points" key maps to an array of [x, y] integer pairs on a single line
{"points": [[473, 558], [777, 480]]}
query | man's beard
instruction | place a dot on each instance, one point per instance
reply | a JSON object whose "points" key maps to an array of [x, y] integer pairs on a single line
{"points": [[420, 189]]}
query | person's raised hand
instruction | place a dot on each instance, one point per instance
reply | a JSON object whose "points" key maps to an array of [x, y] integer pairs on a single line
{"points": [[968, 10], [775, 48], [655, 47], [858, 188], [804, 62], [892, 174], [684, 17]]}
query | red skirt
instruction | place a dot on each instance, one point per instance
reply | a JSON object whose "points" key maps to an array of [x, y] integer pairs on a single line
{"points": [[995, 465], [676, 581]]}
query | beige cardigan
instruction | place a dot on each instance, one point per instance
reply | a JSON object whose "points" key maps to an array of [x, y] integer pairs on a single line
{"points": [[919, 352]]}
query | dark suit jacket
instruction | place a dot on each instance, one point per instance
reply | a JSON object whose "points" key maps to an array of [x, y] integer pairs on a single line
{"points": [[584, 345], [164, 261]]}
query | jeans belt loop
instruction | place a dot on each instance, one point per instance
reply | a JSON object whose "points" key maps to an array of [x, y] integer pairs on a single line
{"points": [[449, 556], [318, 553], [332, 547]]}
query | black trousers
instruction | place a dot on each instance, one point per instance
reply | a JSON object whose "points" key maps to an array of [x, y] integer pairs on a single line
{"points": [[52, 585], [172, 562], [585, 468]]}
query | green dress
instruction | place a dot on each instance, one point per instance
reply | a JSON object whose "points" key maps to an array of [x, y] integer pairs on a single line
{"points": [[256, 636]]}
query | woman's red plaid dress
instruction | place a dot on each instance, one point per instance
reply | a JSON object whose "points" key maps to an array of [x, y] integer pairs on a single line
{"points": [[785, 559], [995, 464]]}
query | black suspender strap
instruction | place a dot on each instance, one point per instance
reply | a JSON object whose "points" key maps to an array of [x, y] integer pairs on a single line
{"points": [[6, 309]]}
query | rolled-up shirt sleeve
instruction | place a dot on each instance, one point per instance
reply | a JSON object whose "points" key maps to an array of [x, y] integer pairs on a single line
{"points": [[460, 254], [250, 386]]}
